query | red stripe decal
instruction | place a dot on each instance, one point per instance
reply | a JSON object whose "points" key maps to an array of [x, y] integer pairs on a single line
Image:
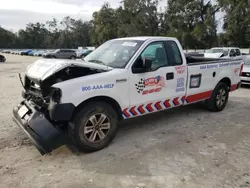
{"points": [[141, 110], [126, 113], [234, 87], [167, 104], [132, 110], [149, 107], [176, 102], [199, 96], [183, 99], [158, 105]]}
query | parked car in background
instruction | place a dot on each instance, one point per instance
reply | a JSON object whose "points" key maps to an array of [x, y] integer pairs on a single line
{"points": [[83, 53], [2, 58], [6, 51], [61, 54], [17, 52], [25, 52], [245, 77], [222, 52], [32, 52], [39, 52]]}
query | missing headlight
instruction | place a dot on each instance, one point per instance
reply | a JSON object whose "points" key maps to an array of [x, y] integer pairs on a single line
{"points": [[56, 95]]}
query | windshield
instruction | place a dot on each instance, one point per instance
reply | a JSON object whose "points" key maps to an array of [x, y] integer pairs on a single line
{"points": [[56, 51], [218, 50], [114, 53]]}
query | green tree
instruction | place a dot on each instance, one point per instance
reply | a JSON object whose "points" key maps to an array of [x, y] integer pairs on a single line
{"points": [[236, 22], [192, 22], [104, 25]]}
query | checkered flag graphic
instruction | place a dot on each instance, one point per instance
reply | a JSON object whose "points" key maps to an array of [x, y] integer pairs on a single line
{"points": [[140, 86]]}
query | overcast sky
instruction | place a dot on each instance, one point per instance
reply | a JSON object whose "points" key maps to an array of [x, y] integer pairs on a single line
{"points": [[15, 14]]}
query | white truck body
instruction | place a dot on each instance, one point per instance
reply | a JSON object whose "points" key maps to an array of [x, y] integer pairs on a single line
{"points": [[174, 83], [123, 82]]}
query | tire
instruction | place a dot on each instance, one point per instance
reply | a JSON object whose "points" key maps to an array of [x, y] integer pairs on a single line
{"points": [[219, 98], [91, 142], [73, 57]]}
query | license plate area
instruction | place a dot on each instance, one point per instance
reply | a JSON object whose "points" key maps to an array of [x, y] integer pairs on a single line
{"points": [[23, 111]]}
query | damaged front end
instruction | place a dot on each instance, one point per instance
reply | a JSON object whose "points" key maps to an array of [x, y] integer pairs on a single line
{"points": [[41, 115]]}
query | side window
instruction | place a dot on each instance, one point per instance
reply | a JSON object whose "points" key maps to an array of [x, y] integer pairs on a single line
{"points": [[173, 53], [232, 53], [156, 51], [238, 52]]}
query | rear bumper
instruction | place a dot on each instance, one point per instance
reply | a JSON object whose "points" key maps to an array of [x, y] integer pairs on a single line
{"points": [[44, 135]]}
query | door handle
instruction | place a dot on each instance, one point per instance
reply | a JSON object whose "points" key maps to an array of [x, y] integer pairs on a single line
{"points": [[170, 76]]}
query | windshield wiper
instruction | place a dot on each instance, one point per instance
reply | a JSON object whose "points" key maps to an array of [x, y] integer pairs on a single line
{"points": [[96, 61]]}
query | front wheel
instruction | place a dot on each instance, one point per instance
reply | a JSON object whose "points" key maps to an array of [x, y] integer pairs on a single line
{"points": [[94, 127], [219, 98]]}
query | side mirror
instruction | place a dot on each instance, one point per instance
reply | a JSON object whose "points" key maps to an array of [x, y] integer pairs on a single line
{"points": [[142, 65], [147, 64]]}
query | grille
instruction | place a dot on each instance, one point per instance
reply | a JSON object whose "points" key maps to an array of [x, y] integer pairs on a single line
{"points": [[245, 81], [246, 74]]}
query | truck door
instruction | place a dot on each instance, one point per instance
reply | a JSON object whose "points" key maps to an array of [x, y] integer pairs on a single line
{"points": [[162, 87]]}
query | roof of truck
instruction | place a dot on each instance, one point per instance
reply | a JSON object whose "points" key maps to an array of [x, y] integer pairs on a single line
{"points": [[144, 38]]}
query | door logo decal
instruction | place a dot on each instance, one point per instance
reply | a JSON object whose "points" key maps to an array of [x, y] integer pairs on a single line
{"points": [[150, 85], [180, 85], [180, 69]]}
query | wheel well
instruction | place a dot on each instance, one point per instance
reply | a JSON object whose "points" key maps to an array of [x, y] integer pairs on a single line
{"points": [[226, 81], [106, 99]]}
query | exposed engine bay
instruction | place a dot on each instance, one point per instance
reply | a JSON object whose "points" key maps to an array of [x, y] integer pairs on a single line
{"points": [[41, 92]]}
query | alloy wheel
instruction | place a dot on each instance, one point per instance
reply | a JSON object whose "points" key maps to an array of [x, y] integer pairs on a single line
{"points": [[221, 97], [97, 128]]}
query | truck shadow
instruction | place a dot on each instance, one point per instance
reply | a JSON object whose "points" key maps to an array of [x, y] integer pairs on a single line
{"points": [[166, 132], [245, 86]]}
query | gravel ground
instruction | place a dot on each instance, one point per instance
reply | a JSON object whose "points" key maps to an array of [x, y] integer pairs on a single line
{"points": [[184, 147]]}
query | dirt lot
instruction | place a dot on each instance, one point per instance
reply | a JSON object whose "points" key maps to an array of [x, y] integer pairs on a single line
{"points": [[184, 147]]}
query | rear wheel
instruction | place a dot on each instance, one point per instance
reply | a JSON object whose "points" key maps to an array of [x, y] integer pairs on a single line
{"points": [[73, 57], [219, 98], [94, 127]]}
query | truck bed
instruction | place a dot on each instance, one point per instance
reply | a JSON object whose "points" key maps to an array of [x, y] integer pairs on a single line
{"points": [[195, 60]]}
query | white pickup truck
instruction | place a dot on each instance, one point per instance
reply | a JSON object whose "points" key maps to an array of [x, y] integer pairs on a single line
{"points": [[223, 52], [80, 102]]}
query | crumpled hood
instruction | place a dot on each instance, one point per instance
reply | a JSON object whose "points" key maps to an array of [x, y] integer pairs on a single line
{"points": [[44, 68], [212, 55]]}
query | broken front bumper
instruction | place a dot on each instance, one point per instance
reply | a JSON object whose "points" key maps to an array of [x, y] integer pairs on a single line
{"points": [[44, 135]]}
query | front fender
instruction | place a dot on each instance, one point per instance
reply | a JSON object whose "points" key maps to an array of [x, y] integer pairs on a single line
{"points": [[112, 84]]}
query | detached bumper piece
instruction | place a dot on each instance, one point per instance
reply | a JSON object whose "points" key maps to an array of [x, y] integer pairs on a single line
{"points": [[40, 130]]}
